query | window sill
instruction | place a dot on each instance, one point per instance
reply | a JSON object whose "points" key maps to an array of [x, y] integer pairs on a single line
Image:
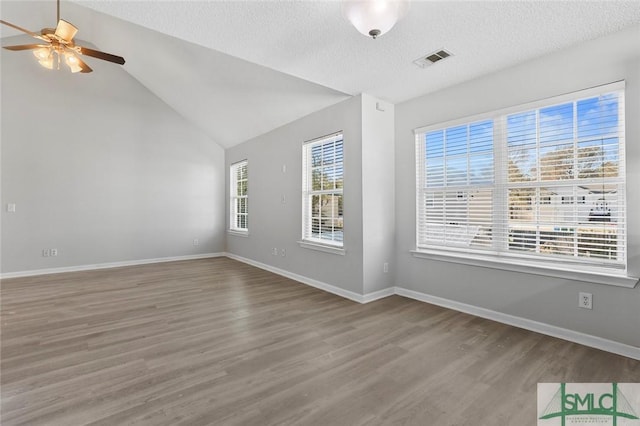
{"points": [[238, 233], [322, 247], [528, 267]]}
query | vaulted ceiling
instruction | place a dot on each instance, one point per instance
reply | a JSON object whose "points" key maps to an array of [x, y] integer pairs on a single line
{"points": [[237, 69]]}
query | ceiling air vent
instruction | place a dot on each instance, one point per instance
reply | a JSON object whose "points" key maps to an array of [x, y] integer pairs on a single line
{"points": [[432, 58]]}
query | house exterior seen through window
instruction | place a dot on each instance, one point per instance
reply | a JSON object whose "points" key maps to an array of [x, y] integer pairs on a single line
{"points": [[543, 182], [323, 176]]}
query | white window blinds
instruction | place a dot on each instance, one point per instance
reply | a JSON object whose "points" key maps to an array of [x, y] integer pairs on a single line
{"points": [[322, 186], [543, 182], [239, 199]]}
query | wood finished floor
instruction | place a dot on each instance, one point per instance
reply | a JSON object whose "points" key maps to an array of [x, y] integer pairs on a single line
{"points": [[218, 342]]}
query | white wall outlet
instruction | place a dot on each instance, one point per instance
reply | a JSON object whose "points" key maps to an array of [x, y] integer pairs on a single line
{"points": [[585, 300], [53, 252], [11, 207], [196, 242], [385, 267], [284, 168], [274, 251], [46, 252], [283, 252]]}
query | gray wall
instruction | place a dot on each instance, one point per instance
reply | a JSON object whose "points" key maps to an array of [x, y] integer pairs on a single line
{"points": [[101, 169], [616, 312], [368, 197], [378, 194], [274, 224]]}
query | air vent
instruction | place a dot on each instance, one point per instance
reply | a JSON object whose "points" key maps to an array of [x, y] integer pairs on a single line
{"points": [[432, 58]]}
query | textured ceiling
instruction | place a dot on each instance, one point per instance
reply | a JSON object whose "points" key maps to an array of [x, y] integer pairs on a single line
{"points": [[312, 40], [190, 59]]}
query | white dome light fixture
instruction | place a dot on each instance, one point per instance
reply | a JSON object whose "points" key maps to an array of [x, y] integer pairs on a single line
{"points": [[374, 17]]}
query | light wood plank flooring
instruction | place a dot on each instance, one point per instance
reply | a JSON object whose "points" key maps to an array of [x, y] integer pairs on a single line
{"points": [[218, 342]]}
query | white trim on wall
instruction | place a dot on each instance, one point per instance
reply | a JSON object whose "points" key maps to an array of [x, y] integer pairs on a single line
{"points": [[528, 267], [527, 324], [108, 265], [366, 298], [300, 278]]}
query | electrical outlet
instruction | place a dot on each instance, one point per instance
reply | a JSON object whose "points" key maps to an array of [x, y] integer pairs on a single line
{"points": [[53, 252], [46, 252], [274, 251], [283, 252], [585, 300], [385, 267], [196, 242], [11, 208]]}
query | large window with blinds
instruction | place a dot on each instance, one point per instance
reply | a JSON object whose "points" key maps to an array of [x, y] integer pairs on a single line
{"points": [[322, 186], [541, 183], [239, 196]]}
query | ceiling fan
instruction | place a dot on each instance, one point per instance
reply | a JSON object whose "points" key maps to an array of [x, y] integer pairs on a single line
{"points": [[59, 41]]}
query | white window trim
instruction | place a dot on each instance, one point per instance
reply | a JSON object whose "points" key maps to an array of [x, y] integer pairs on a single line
{"points": [[586, 93], [528, 267], [313, 243], [233, 230], [324, 247], [238, 232], [489, 259]]}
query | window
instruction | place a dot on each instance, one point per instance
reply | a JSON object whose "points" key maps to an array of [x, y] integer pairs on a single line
{"points": [[542, 183], [322, 201], [239, 201]]}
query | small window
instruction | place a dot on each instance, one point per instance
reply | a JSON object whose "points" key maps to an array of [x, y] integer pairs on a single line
{"points": [[239, 200], [322, 202]]}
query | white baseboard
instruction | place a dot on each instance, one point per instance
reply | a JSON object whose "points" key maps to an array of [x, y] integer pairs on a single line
{"points": [[60, 270], [539, 327], [380, 294], [347, 294]]}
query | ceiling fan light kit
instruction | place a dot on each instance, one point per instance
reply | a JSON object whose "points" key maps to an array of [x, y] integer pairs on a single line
{"points": [[59, 45], [374, 18], [73, 62]]}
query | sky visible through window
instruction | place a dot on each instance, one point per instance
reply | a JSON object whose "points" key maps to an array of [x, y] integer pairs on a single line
{"points": [[466, 151], [596, 120]]}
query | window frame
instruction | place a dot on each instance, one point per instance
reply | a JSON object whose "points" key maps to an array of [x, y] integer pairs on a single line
{"points": [[499, 257], [333, 246], [234, 214]]}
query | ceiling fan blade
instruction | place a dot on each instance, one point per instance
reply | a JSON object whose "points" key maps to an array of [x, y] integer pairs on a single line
{"points": [[101, 55], [25, 46], [31, 33], [85, 68], [65, 30]]}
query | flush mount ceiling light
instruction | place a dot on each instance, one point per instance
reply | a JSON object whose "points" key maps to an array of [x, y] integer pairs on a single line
{"points": [[374, 17], [56, 43]]}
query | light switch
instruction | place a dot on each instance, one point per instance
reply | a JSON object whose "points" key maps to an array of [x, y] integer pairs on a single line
{"points": [[11, 208]]}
